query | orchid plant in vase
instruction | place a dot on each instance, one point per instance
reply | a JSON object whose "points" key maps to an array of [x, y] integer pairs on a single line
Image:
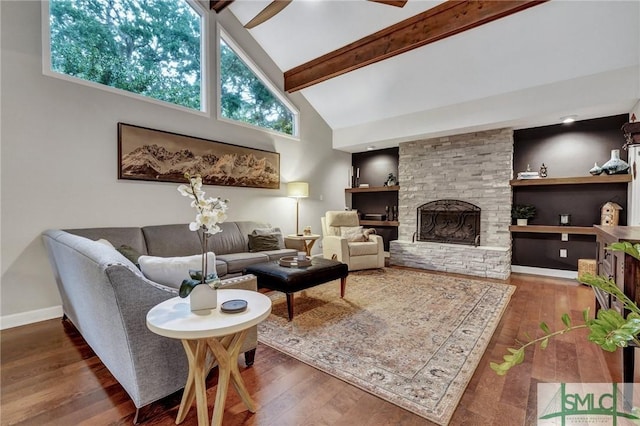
{"points": [[211, 212]]}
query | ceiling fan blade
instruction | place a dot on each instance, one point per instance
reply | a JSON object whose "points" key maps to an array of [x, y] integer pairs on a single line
{"points": [[268, 12], [397, 3]]}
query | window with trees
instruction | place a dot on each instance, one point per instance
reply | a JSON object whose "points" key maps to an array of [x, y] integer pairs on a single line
{"points": [[247, 95], [149, 47]]}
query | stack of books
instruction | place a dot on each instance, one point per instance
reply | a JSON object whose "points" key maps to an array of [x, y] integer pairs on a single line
{"points": [[528, 175]]}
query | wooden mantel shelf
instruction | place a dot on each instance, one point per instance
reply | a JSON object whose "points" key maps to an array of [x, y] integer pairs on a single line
{"points": [[373, 189], [623, 178], [549, 229]]}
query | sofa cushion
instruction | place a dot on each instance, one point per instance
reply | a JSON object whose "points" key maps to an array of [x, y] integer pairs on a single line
{"points": [[171, 271], [172, 240], [262, 243], [236, 262]]}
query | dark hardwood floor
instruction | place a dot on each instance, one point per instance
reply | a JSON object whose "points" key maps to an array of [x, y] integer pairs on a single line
{"points": [[50, 376]]}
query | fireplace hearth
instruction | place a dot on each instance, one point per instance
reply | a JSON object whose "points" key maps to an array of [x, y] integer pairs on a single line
{"points": [[449, 221]]}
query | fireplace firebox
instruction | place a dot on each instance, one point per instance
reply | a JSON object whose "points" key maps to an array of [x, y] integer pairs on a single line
{"points": [[449, 221]]}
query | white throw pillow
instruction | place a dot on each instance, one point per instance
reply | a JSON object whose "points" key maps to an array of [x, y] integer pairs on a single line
{"points": [[352, 233], [105, 242], [171, 271]]}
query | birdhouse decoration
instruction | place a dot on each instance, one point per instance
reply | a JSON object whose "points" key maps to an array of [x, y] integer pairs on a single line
{"points": [[610, 214]]}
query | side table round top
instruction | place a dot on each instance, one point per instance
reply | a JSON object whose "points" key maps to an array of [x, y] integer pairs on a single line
{"points": [[303, 237], [174, 318]]}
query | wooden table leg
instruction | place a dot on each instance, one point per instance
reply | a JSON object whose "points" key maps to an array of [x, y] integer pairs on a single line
{"points": [[226, 353], [343, 285], [308, 246], [196, 351]]}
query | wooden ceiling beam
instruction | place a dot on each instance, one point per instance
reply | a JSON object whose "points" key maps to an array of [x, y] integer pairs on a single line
{"points": [[445, 20], [219, 5]]}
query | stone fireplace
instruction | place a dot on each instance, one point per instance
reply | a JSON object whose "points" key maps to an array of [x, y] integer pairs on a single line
{"points": [[473, 169], [449, 221]]}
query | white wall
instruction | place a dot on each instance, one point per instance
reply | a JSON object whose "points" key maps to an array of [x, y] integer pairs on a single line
{"points": [[59, 161]]}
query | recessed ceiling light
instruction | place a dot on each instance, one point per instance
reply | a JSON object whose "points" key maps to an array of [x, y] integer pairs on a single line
{"points": [[568, 119], [370, 148]]}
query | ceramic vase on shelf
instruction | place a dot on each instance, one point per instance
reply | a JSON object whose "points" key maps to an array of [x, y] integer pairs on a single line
{"points": [[522, 222], [615, 165]]}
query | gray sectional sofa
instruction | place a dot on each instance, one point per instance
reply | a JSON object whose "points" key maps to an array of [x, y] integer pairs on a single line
{"points": [[107, 297]]}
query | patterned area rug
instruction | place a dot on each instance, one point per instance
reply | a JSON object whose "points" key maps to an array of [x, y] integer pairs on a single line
{"points": [[411, 338]]}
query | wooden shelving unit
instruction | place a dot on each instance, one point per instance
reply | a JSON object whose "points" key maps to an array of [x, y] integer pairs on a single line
{"points": [[373, 189], [549, 229], [625, 178], [379, 222]]}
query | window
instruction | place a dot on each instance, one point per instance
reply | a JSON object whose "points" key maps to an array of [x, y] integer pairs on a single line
{"points": [[149, 47], [246, 95]]}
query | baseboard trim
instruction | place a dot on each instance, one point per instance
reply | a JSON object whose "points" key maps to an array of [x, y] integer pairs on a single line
{"points": [[24, 318], [559, 273]]}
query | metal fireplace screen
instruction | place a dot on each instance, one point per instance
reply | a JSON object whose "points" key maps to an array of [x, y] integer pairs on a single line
{"points": [[449, 221]]}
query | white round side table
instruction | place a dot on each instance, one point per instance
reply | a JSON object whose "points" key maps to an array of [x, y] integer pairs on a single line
{"points": [[222, 334]]}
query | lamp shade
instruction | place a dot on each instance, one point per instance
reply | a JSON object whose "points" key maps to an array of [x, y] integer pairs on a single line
{"points": [[298, 189]]}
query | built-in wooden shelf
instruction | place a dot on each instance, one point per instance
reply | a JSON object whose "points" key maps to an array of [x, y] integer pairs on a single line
{"points": [[624, 178], [549, 229], [379, 222], [373, 189]]}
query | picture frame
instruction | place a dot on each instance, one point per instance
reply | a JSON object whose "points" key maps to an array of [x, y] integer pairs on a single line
{"points": [[156, 155]]}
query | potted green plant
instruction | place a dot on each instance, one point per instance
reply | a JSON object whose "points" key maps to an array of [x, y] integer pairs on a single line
{"points": [[522, 213], [609, 329]]}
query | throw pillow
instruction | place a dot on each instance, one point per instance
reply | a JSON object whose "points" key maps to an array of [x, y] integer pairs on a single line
{"points": [[263, 243], [171, 271], [271, 231], [356, 233], [130, 253], [352, 233], [105, 242]]}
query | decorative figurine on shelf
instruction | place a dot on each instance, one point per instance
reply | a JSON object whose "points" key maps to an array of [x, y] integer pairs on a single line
{"points": [[610, 214], [394, 212], [391, 180], [386, 213], [543, 171]]}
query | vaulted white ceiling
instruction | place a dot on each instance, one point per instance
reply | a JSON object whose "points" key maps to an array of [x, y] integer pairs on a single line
{"points": [[563, 57]]}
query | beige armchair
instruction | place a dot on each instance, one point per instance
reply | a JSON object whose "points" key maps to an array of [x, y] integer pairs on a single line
{"points": [[341, 231]]}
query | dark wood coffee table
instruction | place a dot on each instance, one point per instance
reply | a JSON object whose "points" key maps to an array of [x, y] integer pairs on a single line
{"points": [[289, 280]]}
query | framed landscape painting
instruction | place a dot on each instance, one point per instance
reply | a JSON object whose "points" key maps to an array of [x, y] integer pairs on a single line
{"points": [[155, 155]]}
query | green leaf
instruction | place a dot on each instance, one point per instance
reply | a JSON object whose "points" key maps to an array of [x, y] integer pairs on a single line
{"points": [[187, 287], [566, 320], [585, 315], [545, 327], [544, 343]]}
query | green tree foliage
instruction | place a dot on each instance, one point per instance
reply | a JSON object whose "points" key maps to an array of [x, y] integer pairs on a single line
{"points": [[149, 47], [245, 98]]}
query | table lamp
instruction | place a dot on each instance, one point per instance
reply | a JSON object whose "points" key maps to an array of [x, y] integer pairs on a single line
{"points": [[298, 190]]}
